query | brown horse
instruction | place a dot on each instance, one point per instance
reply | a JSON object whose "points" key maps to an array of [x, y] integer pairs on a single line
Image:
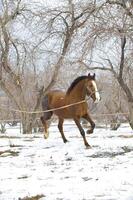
{"points": [[80, 88]]}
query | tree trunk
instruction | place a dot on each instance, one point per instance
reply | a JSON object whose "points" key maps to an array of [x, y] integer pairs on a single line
{"points": [[2, 128], [129, 95], [26, 124], [114, 124], [26, 127], [130, 106]]}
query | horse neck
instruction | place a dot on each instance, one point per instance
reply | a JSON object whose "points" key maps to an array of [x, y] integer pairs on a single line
{"points": [[78, 93]]}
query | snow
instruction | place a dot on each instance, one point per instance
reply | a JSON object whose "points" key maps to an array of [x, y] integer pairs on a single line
{"points": [[30, 165]]}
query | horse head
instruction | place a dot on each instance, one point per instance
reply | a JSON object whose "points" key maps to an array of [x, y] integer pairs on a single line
{"points": [[91, 88]]}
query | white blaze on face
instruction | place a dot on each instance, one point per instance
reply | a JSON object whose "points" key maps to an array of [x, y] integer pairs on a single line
{"points": [[96, 91]]}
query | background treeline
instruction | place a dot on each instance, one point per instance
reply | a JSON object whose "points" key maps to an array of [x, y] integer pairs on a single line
{"points": [[46, 45]]}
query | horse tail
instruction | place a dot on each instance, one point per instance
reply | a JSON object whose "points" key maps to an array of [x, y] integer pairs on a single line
{"points": [[45, 107]]}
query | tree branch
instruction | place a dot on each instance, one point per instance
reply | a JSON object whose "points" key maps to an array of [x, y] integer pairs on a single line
{"points": [[94, 68], [122, 5], [121, 67]]}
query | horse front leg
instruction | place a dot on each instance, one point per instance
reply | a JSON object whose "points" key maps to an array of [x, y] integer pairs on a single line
{"points": [[82, 132], [89, 119], [60, 127]]}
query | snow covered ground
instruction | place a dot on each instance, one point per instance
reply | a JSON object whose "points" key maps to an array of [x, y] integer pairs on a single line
{"points": [[31, 166]]}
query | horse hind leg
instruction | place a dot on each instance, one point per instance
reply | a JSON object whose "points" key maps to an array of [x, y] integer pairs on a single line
{"points": [[46, 116], [45, 125]]}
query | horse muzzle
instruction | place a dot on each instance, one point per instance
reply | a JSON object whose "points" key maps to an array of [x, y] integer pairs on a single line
{"points": [[97, 97]]}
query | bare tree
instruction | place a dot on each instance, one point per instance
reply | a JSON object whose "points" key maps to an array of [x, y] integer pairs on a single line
{"points": [[114, 30], [16, 54], [11, 79]]}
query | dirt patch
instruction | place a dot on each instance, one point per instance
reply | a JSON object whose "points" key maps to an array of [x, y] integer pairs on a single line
{"points": [[126, 136], [106, 154], [15, 145], [29, 140], [86, 178], [8, 153], [23, 177], [127, 149], [37, 197], [9, 137]]}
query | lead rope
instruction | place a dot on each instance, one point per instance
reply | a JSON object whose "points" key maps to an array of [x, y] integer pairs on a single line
{"points": [[50, 110]]}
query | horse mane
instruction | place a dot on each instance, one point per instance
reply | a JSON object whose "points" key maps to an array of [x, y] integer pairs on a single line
{"points": [[75, 82]]}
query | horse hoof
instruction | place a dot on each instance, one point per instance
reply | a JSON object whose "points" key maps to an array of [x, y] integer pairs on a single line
{"points": [[65, 141], [46, 135], [89, 131], [88, 147]]}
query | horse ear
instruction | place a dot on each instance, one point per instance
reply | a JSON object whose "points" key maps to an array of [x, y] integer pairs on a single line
{"points": [[91, 76]]}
